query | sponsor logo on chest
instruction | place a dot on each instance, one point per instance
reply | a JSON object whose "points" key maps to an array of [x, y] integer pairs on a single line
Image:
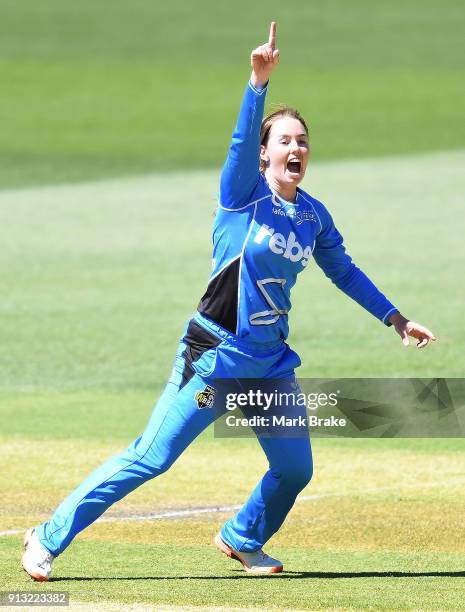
{"points": [[290, 248], [299, 215], [292, 211]]}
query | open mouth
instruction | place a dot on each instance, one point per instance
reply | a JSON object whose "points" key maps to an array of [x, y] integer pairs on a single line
{"points": [[294, 167]]}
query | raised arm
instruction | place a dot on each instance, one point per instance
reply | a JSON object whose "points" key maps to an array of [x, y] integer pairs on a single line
{"points": [[241, 169], [264, 60]]}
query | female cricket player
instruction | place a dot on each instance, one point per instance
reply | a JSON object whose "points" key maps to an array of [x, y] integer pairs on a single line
{"points": [[266, 231]]}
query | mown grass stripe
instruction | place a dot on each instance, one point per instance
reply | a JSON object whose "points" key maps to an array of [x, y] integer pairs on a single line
{"points": [[189, 512]]}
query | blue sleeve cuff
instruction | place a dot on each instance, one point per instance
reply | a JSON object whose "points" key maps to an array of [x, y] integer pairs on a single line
{"points": [[258, 91], [390, 312]]}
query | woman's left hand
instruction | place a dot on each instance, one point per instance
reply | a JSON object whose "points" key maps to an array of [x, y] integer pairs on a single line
{"points": [[406, 328]]}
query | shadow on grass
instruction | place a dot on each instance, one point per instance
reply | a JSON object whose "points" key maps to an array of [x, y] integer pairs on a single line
{"points": [[284, 575]]}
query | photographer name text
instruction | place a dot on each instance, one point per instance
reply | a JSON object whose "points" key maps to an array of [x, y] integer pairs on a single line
{"points": [[283, 421]]}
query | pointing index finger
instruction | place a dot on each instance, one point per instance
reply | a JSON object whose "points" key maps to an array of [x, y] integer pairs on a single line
{"points": [[272, 37]]}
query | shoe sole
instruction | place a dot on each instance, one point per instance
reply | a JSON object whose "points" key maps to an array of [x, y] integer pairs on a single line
{"points": [[33, 575], [227, 550]]}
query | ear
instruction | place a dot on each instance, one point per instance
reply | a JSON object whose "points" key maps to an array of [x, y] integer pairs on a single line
{"points": [[263, 153]]}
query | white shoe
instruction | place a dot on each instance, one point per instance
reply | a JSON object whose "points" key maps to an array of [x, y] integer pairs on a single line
{"points": [[256, 562], [37, 560]]}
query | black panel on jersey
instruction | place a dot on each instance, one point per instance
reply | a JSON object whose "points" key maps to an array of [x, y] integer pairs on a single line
{"points": [[198, 341], [219, 304]]}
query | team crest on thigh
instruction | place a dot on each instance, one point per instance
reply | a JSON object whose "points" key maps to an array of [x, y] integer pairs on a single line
{"points": [[206, 397]]}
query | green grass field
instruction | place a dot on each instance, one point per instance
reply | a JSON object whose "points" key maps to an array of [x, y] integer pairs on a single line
{"points": [[114, 125], [386, 533], [90, 92], [92, 309]]}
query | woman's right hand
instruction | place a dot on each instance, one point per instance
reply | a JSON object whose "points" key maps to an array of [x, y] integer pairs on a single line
{"points": [[264, 60]]}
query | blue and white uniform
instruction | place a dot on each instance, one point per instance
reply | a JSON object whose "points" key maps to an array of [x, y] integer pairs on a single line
{"points": [[260, 244]]}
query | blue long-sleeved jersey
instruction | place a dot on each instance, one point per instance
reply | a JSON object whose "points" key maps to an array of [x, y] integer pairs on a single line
{"points": [[261, 242]]}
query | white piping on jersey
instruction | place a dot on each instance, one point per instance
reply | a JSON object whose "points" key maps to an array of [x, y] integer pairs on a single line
{"points": [[223, 268], [388, 313], [313, 208], [278, 200], [240, 265], [259, 92], [242, 207]]}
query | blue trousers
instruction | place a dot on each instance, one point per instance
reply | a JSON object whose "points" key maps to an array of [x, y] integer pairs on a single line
{"points": [[206, 353]]}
